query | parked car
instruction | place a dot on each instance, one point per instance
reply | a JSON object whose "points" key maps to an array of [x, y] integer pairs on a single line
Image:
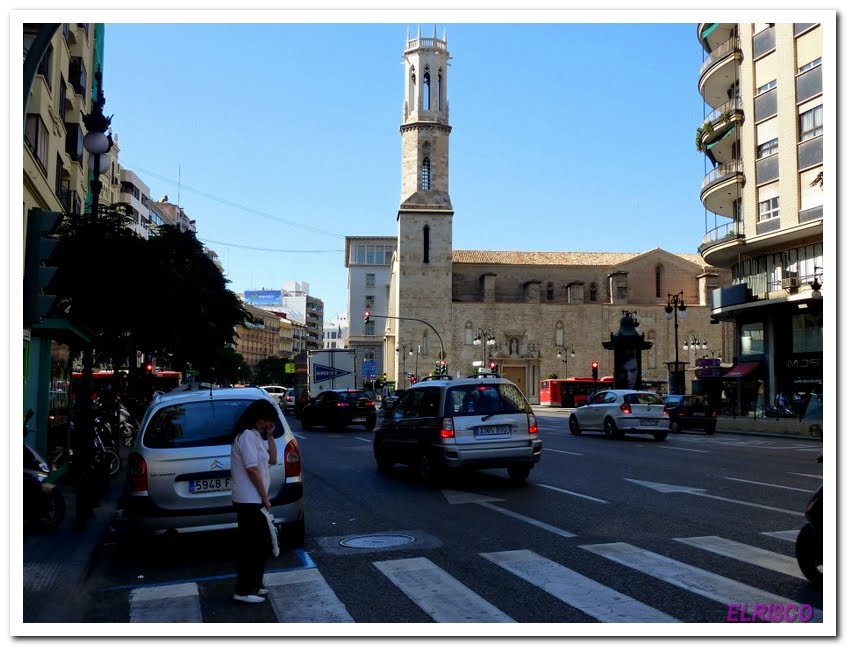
{"points": [[277, 391], [691, 412], [618, 412], [472, 423], [288, 401], [339, 408], [179, 473]]}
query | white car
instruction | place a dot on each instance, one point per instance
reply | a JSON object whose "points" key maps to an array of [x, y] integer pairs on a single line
{"points": [[619, 412], [278, 392]]}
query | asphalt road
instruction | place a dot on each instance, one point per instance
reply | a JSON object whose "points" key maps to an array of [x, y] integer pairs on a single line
{"points": [[604, 531]]}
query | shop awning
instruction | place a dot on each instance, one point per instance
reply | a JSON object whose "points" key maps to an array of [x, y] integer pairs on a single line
{"points": [[741, 369]]}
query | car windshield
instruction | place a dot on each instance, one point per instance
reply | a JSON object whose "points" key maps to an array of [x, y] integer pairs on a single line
{"points": [[197, 424], [482, 399], [642, 398], [352, 396]]}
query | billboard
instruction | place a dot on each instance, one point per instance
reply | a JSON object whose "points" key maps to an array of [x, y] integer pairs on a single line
{"points": [[627, 368], [263, 297]]}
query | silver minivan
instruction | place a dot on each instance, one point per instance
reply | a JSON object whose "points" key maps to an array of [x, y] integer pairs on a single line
{"points": [[472, 423], [178, 470]]}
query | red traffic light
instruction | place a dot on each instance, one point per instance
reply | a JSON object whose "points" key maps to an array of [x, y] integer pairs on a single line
{"points": [[595, 365], [148, 368], [367, 317]]}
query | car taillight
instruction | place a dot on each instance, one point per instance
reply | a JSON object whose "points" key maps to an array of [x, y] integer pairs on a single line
{"points": [[665, 411], [370, 403], [625, 408], [714, 414], [532, 423], [447, 430], [137, 471], [341, 404], [291, 459]]}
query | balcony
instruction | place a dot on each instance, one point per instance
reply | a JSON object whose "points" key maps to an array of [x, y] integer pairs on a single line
{"points": [[713, 34], [722, 187], [719, 246], [718, 72], [718, 134]]}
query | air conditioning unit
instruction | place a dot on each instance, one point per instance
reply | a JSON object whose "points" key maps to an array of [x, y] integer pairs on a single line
{"points": [[791, 283]]}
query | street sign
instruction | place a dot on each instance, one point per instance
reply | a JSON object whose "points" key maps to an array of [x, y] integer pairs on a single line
{"points": [[323, 373], [369, 369]]}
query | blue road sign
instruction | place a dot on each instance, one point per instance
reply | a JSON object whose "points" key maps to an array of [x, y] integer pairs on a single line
{"points": [[369, 368]]}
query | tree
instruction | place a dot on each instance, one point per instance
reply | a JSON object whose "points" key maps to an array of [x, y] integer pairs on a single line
{"points": [[229, 367], [271, 370]]}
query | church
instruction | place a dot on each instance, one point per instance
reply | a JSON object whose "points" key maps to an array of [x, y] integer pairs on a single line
{"points": [[533, 314]]}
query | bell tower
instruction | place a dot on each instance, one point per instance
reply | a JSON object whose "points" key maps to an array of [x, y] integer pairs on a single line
{"points": [[424, 278]]}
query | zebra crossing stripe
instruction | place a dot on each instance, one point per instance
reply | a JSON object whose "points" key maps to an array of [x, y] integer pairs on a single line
{"points": [[168, 603], [303, 595], [696, 580], [440, 595], [787, 535], [743, 552], [590, 597]]}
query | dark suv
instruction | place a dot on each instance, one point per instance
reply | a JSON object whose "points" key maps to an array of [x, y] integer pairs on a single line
{"points": [[473, 423], [691, 412], [339, 408]]}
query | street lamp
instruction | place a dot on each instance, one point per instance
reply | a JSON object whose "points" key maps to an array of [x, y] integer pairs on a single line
{"points": [[562, 354], [403, 356], [98, 143], [693, 341], [484, 338], [675, 309]]}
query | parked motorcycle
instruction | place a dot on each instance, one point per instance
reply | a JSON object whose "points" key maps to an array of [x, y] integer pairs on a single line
{"points": [[44, 503], [809, 547]]}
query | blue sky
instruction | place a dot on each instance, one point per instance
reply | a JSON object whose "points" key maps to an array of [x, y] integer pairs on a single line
{"points": [[285, 137]]}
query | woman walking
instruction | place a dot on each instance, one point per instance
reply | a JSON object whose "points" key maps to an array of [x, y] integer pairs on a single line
{"points": [[250, 459]]}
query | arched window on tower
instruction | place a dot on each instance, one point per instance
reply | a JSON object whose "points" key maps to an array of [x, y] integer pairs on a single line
{"points": [[592, 292], [426, 91], [425, 175], [440, 91], [659, 271], [413, 90], [426, 244]]}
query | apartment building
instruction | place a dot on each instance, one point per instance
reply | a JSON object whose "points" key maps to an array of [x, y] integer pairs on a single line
{"points": [[258, 339], [763, 89]]}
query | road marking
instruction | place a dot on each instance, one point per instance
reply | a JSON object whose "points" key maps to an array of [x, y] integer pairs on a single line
{"points": [[685, 449], [168, 603], [300, 436], [583, 496], [783, 487], [666, 488], [529, 520], [811, 476], [440, 595], [744, 553], [709, 585], [366, 440], [304, 596], [561, 451], [590, 597], [787, 535]]}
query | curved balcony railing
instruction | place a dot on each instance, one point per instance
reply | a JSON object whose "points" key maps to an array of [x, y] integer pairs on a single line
{"points": [[724, 233], [719, 54], [731, 106], [723, 172]]}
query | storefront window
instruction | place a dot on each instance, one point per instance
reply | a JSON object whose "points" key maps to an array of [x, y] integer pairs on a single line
{"points": [[807, 334], [753, 338]]}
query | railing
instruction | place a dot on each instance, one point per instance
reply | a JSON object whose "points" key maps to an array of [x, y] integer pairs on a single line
{"points": [[726, 232], [722, 172], [435, 43], [719, 54], [733, 105]]}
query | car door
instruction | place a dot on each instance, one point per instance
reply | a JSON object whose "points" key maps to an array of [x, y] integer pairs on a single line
{"points": [[399, 434], [592, 413]]}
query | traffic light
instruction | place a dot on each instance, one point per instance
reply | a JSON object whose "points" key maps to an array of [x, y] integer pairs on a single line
{"points": [[367, 317], [148, 368], [39, 273], [594, 367], [413, 379]]}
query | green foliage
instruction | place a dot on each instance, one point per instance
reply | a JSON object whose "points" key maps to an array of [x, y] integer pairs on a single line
{"points": [[271, 370], [552, 376], [229, 367]]}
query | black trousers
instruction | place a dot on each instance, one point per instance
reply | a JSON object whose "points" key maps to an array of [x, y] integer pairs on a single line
{"points": [[253, 546]]}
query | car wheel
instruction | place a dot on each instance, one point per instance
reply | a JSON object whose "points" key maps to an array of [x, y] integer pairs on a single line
{"points": [[675, 428], [371, 425], [573, 423], [710, 430], [660, 435], [611, 429], [519, 473], [383, 462], [806, 552], [426, 468]]}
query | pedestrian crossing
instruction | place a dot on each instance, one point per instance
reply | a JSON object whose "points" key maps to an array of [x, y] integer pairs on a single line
{"points": [[304, 595]]}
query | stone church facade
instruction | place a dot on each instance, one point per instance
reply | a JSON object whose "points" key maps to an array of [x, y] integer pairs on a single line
{"points": [[547, 312]]}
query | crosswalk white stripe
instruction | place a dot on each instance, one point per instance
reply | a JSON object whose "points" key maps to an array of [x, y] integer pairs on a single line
{"points": [[710, 585], [787, 535], [303, 595], [590, 597], [745, 553], [439, 594], [167, 603]]}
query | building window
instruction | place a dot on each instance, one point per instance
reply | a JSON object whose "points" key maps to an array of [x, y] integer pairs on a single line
{"points": [[370, 280], [767, 149], [592, 292], [426, 91], [807, 333], [549, 291], [753, 338], [35, 137], [369, 329], [425, 175], [62, 94], [811, 123], [810, 65], [658, 281], [426, 244], [369, 302], [45, 67], [76, 75], [770, 85], [62, 192], [440, 90], [769, 209]]}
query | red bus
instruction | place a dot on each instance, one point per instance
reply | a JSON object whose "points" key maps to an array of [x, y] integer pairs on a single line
{"points": [[571, 391], [163, 380]]}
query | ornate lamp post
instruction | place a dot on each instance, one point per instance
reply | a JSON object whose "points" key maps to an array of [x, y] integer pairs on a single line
{"points": [[403, 347], [484, 338], [675, 309], [562, 354], [694, 341], [98, 143]]}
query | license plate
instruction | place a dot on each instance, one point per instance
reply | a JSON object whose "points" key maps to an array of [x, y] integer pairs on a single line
{"points": [[492, 430], [359, 419], [649, 422], [209, 485]]}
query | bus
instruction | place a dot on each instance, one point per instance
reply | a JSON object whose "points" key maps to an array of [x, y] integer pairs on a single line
{"points": [[162, 381], [572, 391]]}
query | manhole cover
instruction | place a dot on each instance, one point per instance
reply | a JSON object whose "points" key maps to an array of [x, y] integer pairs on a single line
{"points": [[377, 541]]}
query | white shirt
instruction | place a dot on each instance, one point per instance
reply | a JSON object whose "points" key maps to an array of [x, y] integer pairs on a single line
{"points": [[248, 450]]}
